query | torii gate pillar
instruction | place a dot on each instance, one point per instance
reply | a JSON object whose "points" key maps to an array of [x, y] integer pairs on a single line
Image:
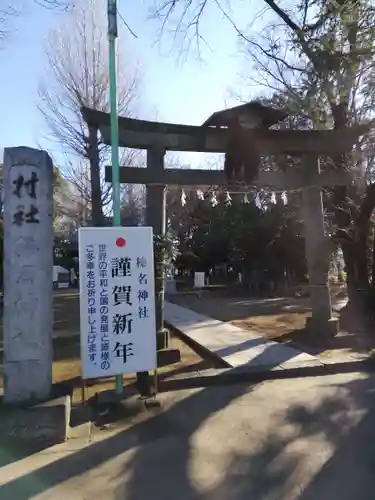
{"points": [[317, 248]]}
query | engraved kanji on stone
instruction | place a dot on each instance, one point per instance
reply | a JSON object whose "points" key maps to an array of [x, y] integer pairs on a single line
{"points": [[30, 185]]}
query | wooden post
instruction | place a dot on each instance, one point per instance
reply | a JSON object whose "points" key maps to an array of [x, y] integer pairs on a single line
{"points": [[317, 255]]}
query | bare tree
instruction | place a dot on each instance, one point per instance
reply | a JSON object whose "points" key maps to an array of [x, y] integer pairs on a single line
{"points": [[16, 8], [133, 204], [7, 14], [321, 55], [77, 76]]}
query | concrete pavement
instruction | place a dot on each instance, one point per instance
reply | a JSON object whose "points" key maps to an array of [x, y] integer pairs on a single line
{"points": [[301, 439]]}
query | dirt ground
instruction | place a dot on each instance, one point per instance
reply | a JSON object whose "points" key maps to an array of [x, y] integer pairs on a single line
{"points": [[272, 317], [281, 319], [66, 347]]}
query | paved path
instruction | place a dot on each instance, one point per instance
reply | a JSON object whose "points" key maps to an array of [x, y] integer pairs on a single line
{"points": [[235, 346], [300, 439]]}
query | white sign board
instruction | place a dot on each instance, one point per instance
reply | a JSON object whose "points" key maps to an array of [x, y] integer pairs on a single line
{"points": [[199, 280], [117, 305]]}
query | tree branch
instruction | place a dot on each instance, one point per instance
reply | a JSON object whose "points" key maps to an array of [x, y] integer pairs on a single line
{"points": [[77, 76]]}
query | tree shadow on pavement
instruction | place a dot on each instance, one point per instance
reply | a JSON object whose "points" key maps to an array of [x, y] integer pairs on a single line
{"points": [[285, 465], [314, 442]]}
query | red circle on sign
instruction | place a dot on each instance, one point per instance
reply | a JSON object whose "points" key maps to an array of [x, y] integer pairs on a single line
{"points": [[120, 242]]}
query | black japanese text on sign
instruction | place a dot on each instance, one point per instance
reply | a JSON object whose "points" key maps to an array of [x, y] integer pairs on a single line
{"points": [[91, 302], [23, 189], [105, 361], [143, 296], [122, 300]]}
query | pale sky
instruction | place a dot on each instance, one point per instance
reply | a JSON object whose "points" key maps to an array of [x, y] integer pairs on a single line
{"points": [[185, 92]]}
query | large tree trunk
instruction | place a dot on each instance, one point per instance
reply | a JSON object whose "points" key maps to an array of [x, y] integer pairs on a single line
{"points": [[359, 313], [353, 227], [96, 192]]}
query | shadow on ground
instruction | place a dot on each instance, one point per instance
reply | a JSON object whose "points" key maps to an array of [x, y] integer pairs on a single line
{"points": [[66, 314], [243, 306], [300, 439], [313, 441], [283, 319]]}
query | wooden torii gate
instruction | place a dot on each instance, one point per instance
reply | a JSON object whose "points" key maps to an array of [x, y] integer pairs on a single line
{"points": [[158, 137]]}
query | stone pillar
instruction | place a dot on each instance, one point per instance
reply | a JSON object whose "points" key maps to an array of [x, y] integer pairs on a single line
{"points": [[28, 263], [317, 256], [156, 218]]}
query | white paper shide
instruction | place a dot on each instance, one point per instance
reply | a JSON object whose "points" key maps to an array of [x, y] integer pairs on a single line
{"points": [[117, 306]]}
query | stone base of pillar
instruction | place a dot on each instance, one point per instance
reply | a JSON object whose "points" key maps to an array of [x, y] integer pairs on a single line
{"points": [[162, 339], [27, 381], [47, 423], [323, 328]]}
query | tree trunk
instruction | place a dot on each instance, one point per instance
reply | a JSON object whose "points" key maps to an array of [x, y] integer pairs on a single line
{"points": [[354, 244], [353, 226], [356, 255], [96, 192]]}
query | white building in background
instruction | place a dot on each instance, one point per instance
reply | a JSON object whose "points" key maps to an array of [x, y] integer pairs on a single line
{"points": [[61, 277]]}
